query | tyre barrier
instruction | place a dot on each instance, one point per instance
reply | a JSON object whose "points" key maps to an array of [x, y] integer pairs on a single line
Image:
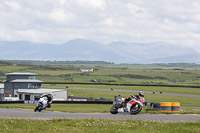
{"points": [[170, 106], [165, 106], [176, 107]]}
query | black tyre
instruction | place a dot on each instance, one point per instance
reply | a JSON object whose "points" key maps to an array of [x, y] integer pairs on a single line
{"points": [[135, 109], [114, 109], [36, 108]]}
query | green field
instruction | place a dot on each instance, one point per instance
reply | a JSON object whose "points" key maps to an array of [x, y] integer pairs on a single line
{"points": [[157, 89], [160, 74], [155, 98], [142, 75], [95, 126]]}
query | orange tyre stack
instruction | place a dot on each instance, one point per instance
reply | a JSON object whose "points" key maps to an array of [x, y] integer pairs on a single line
{"points": [[170, 106]]}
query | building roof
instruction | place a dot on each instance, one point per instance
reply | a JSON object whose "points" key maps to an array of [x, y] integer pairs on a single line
{"points": [[1, 86], [39, 91], [26, 81], [86, 69], [18, 73]]}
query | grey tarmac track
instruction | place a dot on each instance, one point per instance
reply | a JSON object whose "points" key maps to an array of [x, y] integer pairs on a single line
{"points": [[30, 114]]}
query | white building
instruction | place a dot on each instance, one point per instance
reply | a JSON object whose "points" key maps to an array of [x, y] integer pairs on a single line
{"points": [[25, 86], [34, 94]]}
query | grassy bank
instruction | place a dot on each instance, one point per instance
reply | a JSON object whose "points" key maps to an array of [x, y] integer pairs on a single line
{"points": [[157, 89], [141, 75], [185, 101], [95, 125]]}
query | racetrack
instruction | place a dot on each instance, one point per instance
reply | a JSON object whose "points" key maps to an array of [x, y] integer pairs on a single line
{"points": [[30, 114]]}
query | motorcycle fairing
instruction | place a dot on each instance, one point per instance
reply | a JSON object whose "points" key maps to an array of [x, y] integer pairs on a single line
{"points": [[133, 102]]}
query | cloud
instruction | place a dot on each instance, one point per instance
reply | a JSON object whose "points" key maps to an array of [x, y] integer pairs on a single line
{"points": [[57, 21], [60, 16], [94, 4]]}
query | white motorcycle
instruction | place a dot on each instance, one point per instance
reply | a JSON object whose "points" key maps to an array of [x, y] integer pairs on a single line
{"points": [[41, 105]]}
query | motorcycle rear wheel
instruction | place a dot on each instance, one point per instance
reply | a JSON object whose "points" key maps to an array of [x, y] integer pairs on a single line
{"points": [[135, 109], [114, 109]]}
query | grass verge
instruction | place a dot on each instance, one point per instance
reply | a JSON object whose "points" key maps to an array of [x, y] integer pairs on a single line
{"points": [[157, 89], [94, 125]]}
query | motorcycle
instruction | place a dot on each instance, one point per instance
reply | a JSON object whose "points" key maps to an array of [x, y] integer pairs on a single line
{"points": [[132, 106], [41, 105]]}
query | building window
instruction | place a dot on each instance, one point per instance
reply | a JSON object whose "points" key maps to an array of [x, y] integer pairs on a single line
{"points": [[9, 78], [16, 86], [30, 86], [20, 96], [37, 97], [27, 97], [33, 86], [31, 77]]}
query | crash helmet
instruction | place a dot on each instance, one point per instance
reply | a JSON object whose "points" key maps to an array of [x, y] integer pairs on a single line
{"points": [[141, 93], [50, 95]]}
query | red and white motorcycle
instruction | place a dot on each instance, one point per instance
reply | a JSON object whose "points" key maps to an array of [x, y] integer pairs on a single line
{"points": [[132, 105]]}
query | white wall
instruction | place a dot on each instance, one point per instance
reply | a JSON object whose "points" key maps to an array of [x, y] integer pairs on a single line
{"points": [[1, 90], [61, 95]]}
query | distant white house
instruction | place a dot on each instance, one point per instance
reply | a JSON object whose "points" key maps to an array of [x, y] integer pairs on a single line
{"points": [[86, 69]]}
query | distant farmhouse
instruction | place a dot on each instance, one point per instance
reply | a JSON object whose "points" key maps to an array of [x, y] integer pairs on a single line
{"points": [[25, 86], [86, 69]]}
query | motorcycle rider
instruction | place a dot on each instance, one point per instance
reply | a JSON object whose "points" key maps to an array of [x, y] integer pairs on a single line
{"points": [[127, 100], [140, 95], [49, 98], [137, 97]]}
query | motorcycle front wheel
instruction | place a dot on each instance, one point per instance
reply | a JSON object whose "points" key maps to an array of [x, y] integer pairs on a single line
{"points": [[114, 109], [36, 108], [135, 109]]}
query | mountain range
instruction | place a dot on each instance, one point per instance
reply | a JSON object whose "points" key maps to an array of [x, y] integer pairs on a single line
{"points": [[117, 52]]}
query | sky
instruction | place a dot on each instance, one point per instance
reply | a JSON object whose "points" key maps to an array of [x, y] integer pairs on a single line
{"points": [[104, 21]]}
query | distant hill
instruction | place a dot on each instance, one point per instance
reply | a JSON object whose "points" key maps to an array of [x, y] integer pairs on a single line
{"points": [[117, 52], [40, 62]]}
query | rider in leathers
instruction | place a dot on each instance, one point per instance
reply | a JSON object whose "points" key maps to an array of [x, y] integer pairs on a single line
{"points": [[49, 99], [141, 95]]}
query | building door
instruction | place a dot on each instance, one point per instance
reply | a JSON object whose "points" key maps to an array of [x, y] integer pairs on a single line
{"points": [[27, 97], [20, 96]]}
